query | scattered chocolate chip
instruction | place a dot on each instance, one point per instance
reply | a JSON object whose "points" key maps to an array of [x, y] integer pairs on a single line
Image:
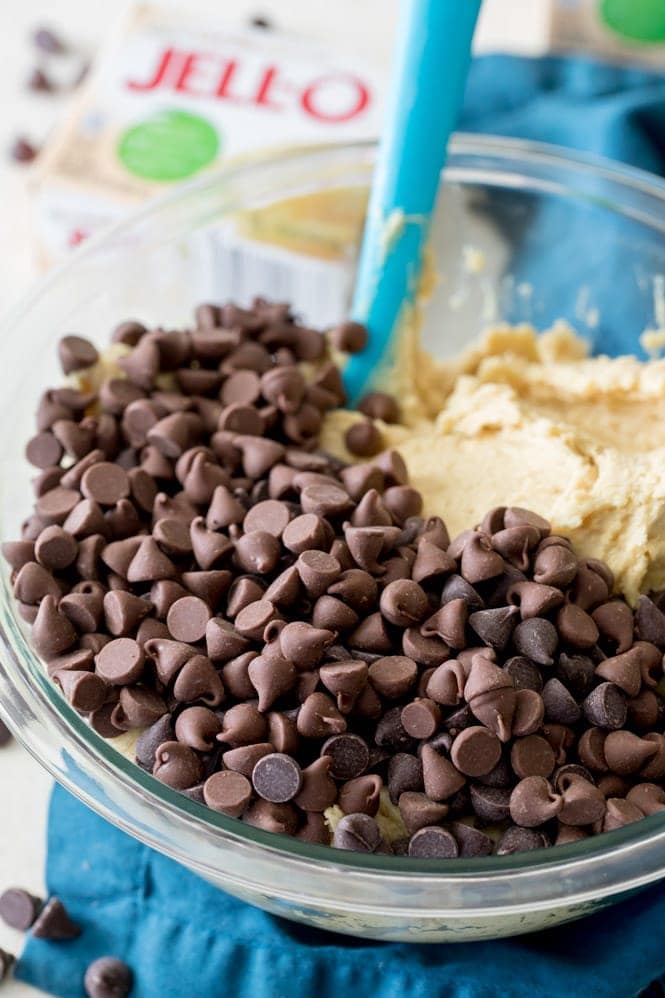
{"points": [[23, 151], [54, 923], [108, 977], [19, 908]]}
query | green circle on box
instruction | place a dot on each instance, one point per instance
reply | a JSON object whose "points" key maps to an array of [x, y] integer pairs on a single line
{"points": [[639, 20], [171, 145]]}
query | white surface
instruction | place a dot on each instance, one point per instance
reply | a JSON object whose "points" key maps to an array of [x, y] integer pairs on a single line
{"points": [[23, 784]]}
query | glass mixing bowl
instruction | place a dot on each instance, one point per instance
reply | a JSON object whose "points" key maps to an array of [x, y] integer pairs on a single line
{"points": [[530, 233]]}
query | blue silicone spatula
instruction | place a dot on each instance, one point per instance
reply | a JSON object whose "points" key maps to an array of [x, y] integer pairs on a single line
{"points": [[431, 66]]}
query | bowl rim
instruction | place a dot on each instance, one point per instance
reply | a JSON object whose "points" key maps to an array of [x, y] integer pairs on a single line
{"points": [[129, 777]]}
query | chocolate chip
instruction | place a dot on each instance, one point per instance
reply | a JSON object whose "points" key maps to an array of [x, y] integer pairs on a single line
{"points": [[120, 662], [433, 843], [23, 151], [537, 639], [149, 741], [491, 804], [19, 908], [606, 707], [475, 751], [524, 674], [650, 622], [108, 977], [54, 923], [421, 718], [177, 765], [349, 336], [576, 672], [76, 353], [441, 778], [48, 41], [393, 676], [363, 439], [495, 627], [187, 619], [471, 841], [533, 802], [379, 405], [405, 773], [277, 778], [532, 756], [318, 791], [517, 839], [349, 755], [357, 832], [560, 705]]}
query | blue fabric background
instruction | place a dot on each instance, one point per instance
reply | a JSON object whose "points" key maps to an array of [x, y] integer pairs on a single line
{"points": [[183, 937]]}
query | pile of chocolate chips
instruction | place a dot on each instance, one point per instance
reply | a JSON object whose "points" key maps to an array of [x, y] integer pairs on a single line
{"points": [[293, 635]]}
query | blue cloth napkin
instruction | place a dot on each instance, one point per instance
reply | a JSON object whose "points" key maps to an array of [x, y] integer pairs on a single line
{"points": [[184, 938], [181, 936]]}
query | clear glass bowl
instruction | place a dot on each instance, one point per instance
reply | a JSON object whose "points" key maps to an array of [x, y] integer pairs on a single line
{"points": [[528, 209]]}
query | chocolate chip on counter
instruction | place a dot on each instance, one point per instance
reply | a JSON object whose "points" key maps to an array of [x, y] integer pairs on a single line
{"points": [[433, 842], [19, 908], [357, 832], [108, 977], [23, 151], [46, 40], [228, 792], [54, 923], [7, 961]]}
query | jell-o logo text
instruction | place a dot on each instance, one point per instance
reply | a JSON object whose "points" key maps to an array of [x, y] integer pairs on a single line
{"points": [[333, 97]]}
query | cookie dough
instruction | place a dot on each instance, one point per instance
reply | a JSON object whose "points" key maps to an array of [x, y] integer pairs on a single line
{"points": [[533, 420]]}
